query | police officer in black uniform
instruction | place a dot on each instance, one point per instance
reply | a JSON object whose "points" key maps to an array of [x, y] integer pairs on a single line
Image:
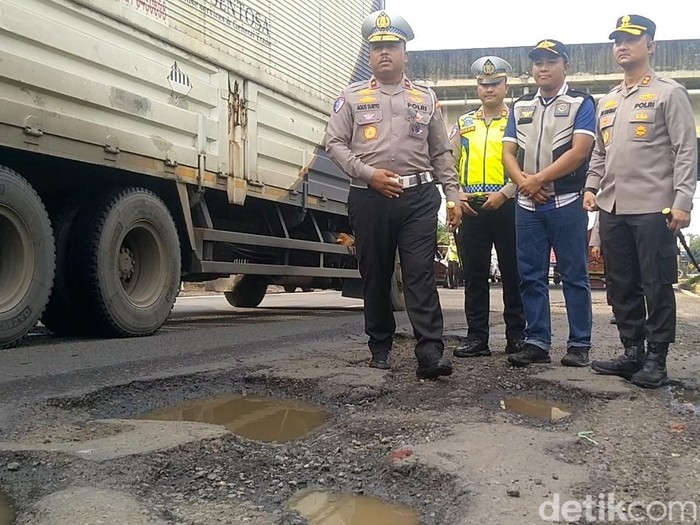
{"points": [[388, 135]]}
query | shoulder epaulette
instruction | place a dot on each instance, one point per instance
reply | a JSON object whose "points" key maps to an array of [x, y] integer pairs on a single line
{"points": [[356, 86]]}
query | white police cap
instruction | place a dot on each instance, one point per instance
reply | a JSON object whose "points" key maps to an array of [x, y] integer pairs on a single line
{"points": [[381, 26], [490, 69]]}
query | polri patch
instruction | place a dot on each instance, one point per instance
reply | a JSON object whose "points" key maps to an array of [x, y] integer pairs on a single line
{"points": [[370, 132], [339, 103], [562, 109]]}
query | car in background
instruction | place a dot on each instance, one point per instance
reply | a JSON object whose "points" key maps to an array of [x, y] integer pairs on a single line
{"points": [[494, 269], [440, 269]]}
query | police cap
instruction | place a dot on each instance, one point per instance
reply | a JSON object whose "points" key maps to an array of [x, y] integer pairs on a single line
{"points": [[490, 70], [382, 26], [548, 47], [634, 25]]}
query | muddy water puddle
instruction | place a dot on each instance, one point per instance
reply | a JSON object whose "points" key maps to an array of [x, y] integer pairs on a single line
{"points": [[688, 399], [7, 511], [254, 417], [336, 508], [537, 408]]}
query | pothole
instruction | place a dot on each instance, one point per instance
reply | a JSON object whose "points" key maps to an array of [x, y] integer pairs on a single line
{"points": [[7, 510], [253, 417], [325, 507], [537, 408], [687, 399]]}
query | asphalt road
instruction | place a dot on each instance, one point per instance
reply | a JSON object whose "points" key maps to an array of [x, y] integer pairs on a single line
{"points": [[69, 443], [203, 331]]}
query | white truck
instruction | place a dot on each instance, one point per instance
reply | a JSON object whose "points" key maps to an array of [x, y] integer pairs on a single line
{"points": [[148, 142]]}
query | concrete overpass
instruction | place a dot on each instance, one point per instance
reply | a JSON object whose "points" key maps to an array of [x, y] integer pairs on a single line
{"points": [[592, 69]]}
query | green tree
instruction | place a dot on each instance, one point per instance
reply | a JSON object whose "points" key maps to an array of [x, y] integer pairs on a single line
{"points": [[694, 246], [443, 233]]}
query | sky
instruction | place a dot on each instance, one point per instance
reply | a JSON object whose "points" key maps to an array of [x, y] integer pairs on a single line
{"points": [[460, 24], [455, 24]]}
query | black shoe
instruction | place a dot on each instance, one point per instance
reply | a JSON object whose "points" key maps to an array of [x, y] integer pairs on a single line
{"points": [[530, 354], [653, 373], [513, 346], [473, 348], [381, 364], [432, 368], [576, 356], [625, 365]]}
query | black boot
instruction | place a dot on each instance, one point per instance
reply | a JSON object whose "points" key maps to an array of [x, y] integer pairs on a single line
{"points": [[473, 348], [513, 346], [380, 359], [576, 356], [432, 364], [529, 354], [653, 374], [625, 365]]}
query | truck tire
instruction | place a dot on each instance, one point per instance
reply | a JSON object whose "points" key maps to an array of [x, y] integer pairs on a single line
{"points": [[27, 257], [398, 301], [248, 291], [289, 288], [125, 264], [62, 316]]}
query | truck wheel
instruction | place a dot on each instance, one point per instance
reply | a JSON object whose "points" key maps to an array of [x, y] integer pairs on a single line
{"points": [[398, 301], [27, 257], [61, 315], [248, 291], [289, 288], [126, 264]]}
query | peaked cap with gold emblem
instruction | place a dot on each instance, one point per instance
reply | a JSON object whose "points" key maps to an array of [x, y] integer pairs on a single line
{"points": [[382, 26], [634, 25], [490, 69]]}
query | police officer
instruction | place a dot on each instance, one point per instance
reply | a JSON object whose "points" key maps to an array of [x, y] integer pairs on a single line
{"points": [[477, 141], [388, 135], [453, 276], [645, 160]]}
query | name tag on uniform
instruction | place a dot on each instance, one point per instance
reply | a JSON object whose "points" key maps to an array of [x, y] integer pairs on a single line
{"points": [[562, 109]]}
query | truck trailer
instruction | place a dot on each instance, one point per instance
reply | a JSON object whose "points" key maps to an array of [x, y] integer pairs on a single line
{"points": [[146, 143]]}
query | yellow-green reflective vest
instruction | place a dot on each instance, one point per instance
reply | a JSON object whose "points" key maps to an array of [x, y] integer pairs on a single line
{"points": [[481, 153]]}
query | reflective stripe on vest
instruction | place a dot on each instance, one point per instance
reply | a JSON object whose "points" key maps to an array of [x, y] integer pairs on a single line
{"points": [[481, 157]]}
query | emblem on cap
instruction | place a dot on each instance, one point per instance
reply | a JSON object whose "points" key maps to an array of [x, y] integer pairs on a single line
{"points": [[383, 21], [625, 21], [546, 44], [489, 68]]}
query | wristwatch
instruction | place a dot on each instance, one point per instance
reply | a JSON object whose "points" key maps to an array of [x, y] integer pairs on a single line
{"points": [[451, 204]]}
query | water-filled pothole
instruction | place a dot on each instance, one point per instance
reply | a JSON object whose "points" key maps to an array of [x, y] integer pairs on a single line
{"points": [[322, 507], [7, 511], [688, 399], [537, 408], [254, 417]]}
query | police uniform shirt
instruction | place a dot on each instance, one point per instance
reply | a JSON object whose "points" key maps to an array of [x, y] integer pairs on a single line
{"points": [[645, 157], [394, 127]]}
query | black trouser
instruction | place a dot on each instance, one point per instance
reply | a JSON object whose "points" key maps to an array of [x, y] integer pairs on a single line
{"points": [[408, 222], [476, 237], [640, 263]]}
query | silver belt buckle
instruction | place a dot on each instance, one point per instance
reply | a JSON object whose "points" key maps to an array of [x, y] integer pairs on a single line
{"points": [[405, 181]]}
